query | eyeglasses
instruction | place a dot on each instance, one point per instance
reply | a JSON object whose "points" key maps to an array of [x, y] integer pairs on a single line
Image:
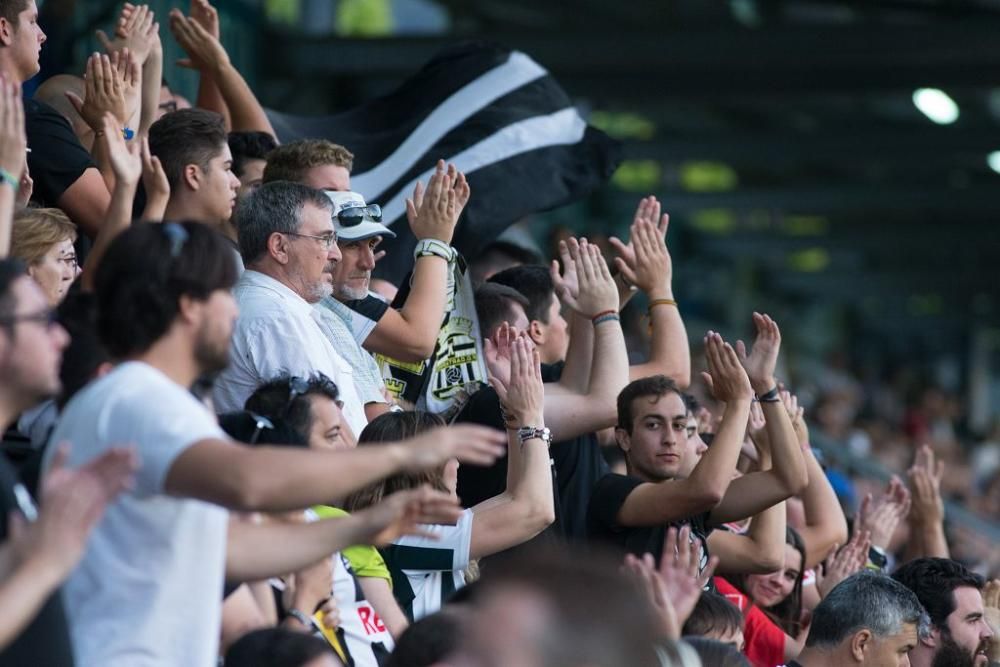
{"points": [[177, 236], [45, 317], [296, 387], [355, 215], [328, 240], [261, 422]]}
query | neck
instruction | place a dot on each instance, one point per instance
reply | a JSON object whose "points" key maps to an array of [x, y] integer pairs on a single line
{"points": [[174, 357], [813, 657], [9, 410], [9, 71], [181, 207], [921, 656]]}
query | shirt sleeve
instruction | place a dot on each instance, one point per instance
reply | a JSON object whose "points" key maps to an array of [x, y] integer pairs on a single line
{"points": [[57, 159], [608, 497]]}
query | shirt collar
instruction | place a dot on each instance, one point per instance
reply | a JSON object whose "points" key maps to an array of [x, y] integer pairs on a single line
{"points": [[251, 278]]}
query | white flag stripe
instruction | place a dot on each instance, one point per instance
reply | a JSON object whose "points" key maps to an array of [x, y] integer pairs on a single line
{"points": [[562, 127], [463, 103]]}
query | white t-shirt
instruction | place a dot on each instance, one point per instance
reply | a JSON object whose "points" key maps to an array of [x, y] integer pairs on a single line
{"points": [[434, 568], [277, 333], [149, 588]]}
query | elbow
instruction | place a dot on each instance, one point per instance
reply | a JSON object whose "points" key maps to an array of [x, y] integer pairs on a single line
{"points": [[770, 559], [711, 496], [681, 378], [246, 490], [798, 482], [414, 352]]}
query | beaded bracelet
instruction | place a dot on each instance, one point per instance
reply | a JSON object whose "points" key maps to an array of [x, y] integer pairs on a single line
{"points": [[660, 302], [602, 314], [608, 317]]}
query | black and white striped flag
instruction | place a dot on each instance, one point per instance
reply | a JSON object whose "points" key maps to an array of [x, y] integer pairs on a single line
{"points": [[497, 114]]}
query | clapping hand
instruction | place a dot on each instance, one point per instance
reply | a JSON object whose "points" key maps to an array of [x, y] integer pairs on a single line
{"points": [[762, 360], [644, 261], [726, 378], [841, 564], [880, 516], [594, 291], [433, 212]]}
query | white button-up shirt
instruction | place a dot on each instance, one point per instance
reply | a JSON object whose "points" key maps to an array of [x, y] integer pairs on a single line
{"points": [[277, 334]]}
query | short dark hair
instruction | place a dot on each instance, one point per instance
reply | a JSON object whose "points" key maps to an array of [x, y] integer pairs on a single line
{"points": [[85, 353], [271, 400], [145, 272], [713, 614], [716, 653], [494, 306], [9, 9], [934, 581], [535, 284], [290, 161], [275, 647], [246, 146], [430, 640], [866, 599], [243, 426], [273, 208], [653, 385], [187, 136]]}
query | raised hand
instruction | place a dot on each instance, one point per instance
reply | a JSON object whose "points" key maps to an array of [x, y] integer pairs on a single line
{"points": [[154, 178], [756, 428], [925, 487], [205, 51], [523, 394], [13, 140], [136, 30], [433, 213], [647, 213], [403, 513], [650, 268], [309, 587], [566, 283], [797, 415], [207, 17], [109, 83], [841, 564], [468, 443], [760, 363], [595, 290], [880, 516], [126, 161], [726, 378]]}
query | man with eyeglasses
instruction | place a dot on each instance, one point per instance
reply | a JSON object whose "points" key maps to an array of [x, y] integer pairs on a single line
{"points": [[410, 333], [289, 245]]}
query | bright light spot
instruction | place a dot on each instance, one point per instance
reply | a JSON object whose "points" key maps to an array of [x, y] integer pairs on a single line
{"points": [[993, 159], [936, 105]]}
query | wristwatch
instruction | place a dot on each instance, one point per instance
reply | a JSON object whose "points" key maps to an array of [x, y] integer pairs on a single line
{"points": [[301, 617], [878, 557], [529, 432]]}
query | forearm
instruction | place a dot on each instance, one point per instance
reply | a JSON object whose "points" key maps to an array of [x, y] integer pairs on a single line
{"points": [[7, 203], [609, 363], [22, 595], [156, 208], [245, 111], [273, 549], [786, 459], [424, 307], [152, 80], [669, 352], [825, 521], [99, 152], [767, 529], [379, 595], [930, 535], [579, 355], [529, 478], [118, 220], [715, 470], [210, 98]]}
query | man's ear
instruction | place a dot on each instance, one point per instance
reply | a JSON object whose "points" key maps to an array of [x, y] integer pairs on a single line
{"points": [[277, 247], [860, 643], [192, 176], [189, 308], [536, 332], [6, 32], [931, 639], [623, 439]]}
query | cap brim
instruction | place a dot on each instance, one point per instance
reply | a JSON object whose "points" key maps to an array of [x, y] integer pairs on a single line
{"points": [[365, 230]]}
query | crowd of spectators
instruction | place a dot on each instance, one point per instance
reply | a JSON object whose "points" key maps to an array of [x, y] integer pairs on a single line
{"points": [[207, 460]]}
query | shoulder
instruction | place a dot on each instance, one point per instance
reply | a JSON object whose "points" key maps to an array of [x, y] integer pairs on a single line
{"points": [[607, 497], [371, 307]]}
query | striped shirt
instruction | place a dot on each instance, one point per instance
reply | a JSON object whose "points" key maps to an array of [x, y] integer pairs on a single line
{"points": [[426, 572]]}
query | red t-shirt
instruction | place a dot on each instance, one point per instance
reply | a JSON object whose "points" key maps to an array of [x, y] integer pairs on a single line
{"points": [[764, 641]]}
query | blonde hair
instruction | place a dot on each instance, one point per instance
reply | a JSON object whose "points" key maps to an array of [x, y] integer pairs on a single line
{"points": [[289, 162], [36, 230]]}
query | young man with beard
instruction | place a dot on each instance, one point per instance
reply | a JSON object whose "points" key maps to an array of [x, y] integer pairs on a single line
{"points": [[959, 635], [148, 588], [289, 245]]}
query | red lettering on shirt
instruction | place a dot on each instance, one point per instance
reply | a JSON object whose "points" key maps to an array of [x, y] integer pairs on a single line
{"points": [[370, 620]]}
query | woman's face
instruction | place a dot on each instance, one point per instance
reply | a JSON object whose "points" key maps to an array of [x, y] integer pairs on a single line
{"points": [[56, 271], [767, 590]]}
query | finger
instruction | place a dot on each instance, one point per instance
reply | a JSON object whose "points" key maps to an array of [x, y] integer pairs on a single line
{"points": [[706, 574], [103, 39], [75, 101]]}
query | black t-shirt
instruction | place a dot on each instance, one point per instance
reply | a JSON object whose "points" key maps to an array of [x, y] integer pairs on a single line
{"points": [[577, 464], [45, 641], [56, 159], [609, 495]]}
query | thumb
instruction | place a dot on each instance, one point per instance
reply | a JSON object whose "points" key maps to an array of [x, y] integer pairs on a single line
{"points": [[708, 380], [102, 37], [75, 100]]}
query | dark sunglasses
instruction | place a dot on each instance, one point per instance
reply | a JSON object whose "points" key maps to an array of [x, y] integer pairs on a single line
{"points": [[260, 422], [296, 387], [355, 215], [46, 317]]}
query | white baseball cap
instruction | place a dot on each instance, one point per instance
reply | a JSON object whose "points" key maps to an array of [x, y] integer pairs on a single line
{"points": [[355, 220]]}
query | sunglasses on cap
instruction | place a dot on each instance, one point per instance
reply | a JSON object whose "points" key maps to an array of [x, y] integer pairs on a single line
{"points": [[352, 216]]}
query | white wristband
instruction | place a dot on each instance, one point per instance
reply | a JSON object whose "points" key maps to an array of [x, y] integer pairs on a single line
{"points": [[433, 247]]}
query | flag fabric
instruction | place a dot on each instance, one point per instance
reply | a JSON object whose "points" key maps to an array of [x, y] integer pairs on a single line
{"points": [[495, 113]]}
